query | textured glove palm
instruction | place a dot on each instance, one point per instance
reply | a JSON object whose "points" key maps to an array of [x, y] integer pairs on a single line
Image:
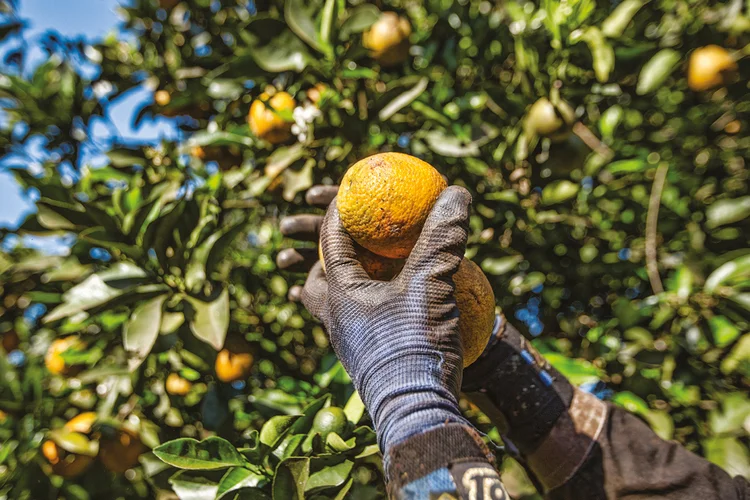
{"points": [[398, 340]]}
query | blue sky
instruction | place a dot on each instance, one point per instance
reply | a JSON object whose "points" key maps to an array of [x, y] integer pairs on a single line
{"points": [[93, 19]]}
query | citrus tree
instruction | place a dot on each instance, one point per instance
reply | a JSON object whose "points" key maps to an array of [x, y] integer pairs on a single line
{"points": [[605, 145]]}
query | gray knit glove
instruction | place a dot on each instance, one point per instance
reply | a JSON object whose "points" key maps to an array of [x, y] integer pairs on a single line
{"points": [[398, 340]]}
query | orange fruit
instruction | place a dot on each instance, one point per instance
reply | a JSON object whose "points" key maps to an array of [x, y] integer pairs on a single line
{"points": [[385, 199], [710, 66], [162, 97], [388, 39], [549, 120], [177, 386], [54, 361], [316, 92], [231, 366], [121, 452], [10, 341], [82, 422], [377, 267], [265, 119], [476, 306], [67, 465]]}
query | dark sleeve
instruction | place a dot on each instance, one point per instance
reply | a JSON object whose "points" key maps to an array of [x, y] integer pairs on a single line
{"points": [[576, 447], [630, 462], [450, 460]]}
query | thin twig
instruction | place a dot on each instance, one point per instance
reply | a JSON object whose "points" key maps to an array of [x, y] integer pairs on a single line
{"points": [[652, 220], [592, 141]]}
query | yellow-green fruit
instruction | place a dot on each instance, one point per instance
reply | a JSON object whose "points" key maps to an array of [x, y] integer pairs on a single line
{"points": [[388, 39], [548, 120], [266, 119], [710, 66], [384, 201], [327, 420]]}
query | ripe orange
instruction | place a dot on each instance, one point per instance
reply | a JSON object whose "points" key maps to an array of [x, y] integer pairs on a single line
{"points": [[710, 66], [476, 305], [121, 452], [64, 463], [82, 422], [265, 119], [54, 361], [231, 366], [377, 267], [162, 97], [10, 341], [176, 385], [549, 120], [385, 199], [67, 465], [388, 39]]}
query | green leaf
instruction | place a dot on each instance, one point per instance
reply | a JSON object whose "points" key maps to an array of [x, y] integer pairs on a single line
{"points": [[285, 52], [451, 146], [301, 22], [559, 191], [724, 330], [354, 408], [403, 100], [190, 487], [74, 442], [360, 19], [735, 268], [501, 265], [140, 331], [577, 371], [238, 478], [94, 290], [211, 320], [196, 270], [601, 51], [274, 430], [620, 18], [729, 211], [329, 477], [739, 354], [730, 418], [729, 454], [171, 321], [212, 453], [656, 71], [291, 478], [50, 219], [297, 181]]}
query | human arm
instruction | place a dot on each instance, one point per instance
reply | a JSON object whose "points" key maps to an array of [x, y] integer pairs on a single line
{"points": [[577, 447], [399, 342]]}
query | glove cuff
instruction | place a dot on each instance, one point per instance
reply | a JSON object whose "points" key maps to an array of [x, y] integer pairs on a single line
{"points": [[446, 446]]}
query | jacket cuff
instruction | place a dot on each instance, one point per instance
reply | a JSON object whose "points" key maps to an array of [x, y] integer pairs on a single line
{"points": [[570, 441], [445, 446]]}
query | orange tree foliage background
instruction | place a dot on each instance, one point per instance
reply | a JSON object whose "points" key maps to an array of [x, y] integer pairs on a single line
{"points": [[622, 249]]}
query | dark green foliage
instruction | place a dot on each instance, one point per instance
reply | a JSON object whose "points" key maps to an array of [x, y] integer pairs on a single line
{"points": [[620, 242]]}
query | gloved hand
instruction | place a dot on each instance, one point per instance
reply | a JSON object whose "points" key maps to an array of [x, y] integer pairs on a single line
{"points": [[398, 340]]}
